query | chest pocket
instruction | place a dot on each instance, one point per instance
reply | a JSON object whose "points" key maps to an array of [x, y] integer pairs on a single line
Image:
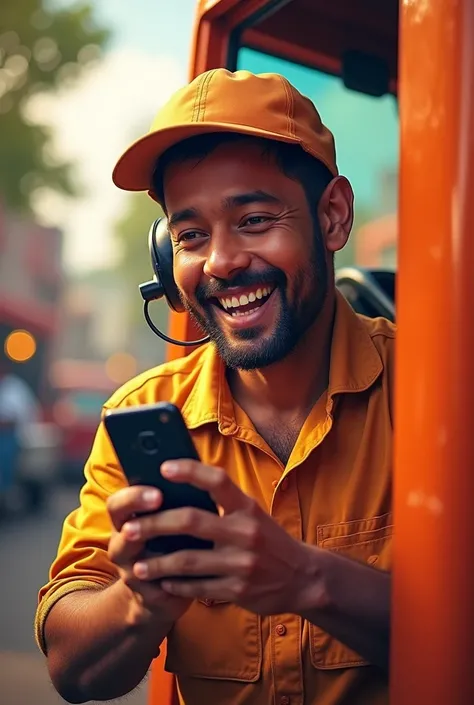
{"points": [[367, 541], [216, 640]]}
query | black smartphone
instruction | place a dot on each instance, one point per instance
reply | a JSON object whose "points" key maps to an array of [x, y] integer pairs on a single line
{"points": [[143, 438]]}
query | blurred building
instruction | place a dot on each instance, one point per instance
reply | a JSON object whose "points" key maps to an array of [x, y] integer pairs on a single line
{"points": [[31, 281], [376, 241], [92, 316], [101, 321]]}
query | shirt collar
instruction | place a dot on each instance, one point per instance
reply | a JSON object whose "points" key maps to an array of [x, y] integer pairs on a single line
{"points": [[355, 360], [355, 365]]}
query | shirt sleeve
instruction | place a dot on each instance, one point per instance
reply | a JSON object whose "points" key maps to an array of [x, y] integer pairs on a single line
{"points": [[82, 562]]}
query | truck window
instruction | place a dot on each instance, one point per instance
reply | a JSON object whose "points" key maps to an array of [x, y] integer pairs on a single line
{"points": [[366, 132]]}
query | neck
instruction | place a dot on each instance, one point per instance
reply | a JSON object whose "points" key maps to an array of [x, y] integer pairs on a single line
{"points": [[306, 370]]}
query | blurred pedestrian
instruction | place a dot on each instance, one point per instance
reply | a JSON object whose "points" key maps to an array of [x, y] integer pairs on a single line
{"points": [[18, 406]]}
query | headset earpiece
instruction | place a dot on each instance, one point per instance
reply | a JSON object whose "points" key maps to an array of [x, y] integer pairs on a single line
{"points": [[163, 283], [161, 255]]}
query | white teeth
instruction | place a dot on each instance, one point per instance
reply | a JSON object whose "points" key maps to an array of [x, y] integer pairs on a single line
{"points": [[243, 313], [244, 300]]}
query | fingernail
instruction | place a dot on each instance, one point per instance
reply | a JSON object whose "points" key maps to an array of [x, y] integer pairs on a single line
{"points": [[132, 529], [169, 468], [141, 570], [151, 497]]}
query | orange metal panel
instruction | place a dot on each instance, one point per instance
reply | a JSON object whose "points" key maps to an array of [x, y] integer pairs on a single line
{"points": [[162, 686], [282, 46], [433, 616]]}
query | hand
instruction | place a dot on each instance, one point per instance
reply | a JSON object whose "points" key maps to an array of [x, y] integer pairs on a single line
{"points": [[148, 597], [256, 563]]}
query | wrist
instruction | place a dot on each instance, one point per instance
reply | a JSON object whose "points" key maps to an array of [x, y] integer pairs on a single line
{"points": [[314, 593]]}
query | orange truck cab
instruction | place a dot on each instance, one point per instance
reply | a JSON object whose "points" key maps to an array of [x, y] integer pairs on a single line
{"points": [[395, 82]]}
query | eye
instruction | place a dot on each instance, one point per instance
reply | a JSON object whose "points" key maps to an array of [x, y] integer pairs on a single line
{"points": [[256, 220], [190, 236]]}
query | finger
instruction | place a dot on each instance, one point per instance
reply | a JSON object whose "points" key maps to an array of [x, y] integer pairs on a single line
{"points": [[123, 551], [223, 562], [122, 505], [151, 594], [206, 477], [186, 520], [226, 589], [235, 529]]}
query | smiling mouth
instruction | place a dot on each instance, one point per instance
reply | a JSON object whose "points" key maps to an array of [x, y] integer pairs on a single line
{"points": [[244, 304]]}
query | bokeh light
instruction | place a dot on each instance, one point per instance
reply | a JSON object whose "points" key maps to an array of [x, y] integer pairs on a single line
{"points": [[20, 346], [120, 367]]}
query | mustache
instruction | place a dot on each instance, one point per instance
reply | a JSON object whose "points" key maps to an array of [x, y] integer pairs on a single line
{"points": [[269, 275]]}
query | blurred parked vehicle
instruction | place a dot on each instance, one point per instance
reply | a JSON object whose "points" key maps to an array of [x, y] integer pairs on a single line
{"points": [[28, 446], [80, 389], [36, 470], [38, 467]]}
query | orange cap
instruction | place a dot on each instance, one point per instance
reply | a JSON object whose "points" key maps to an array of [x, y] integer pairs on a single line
{"points": [[263, 105]]}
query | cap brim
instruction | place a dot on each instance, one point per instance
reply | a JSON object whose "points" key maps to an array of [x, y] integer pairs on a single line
{"points": [[134, 169]]}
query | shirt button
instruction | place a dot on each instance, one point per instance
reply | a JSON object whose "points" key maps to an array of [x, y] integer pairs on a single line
{"points": [[208, 602], [281, 631], [275, 484], [284, 700]]}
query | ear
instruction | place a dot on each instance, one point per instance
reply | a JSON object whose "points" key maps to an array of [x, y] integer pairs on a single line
{"points": [[336, 213]]}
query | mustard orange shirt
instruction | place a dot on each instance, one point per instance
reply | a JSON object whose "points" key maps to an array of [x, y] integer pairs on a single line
{"points": [[335, 492]]}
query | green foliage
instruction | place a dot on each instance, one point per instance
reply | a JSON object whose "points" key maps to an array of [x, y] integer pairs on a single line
{"points": [[41, 49]]}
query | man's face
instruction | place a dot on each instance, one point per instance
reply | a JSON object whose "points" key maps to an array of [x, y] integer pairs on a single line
{"points": [[249, 261]]}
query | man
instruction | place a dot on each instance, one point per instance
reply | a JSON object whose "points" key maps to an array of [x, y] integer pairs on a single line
{"points": [[289, 407]]}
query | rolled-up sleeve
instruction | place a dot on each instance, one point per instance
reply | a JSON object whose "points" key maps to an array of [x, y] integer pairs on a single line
{"points": [[82, 561]]}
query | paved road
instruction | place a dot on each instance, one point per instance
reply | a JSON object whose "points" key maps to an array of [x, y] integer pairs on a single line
{"points": [[27, 547]]}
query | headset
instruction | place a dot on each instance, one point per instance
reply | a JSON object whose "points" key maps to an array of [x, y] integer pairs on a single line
{"points": [[163, 283]]}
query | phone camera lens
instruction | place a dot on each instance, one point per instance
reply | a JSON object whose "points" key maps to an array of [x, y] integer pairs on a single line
{"points": [[148, 442]]}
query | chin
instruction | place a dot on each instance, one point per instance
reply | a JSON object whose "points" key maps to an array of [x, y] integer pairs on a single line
{"points": [[253, 354]]}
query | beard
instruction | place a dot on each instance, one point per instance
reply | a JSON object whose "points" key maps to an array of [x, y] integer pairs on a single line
{"points": [[251, 348]]}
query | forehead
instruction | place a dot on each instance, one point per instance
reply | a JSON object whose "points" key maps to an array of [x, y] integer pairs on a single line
{"points": [[241, 166]]}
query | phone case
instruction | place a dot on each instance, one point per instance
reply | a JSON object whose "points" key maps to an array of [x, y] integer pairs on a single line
{"points": [[143, 438]]}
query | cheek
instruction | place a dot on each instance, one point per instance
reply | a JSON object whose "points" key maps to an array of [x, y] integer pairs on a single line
{"points": [[288, 254], [187, 271], [289, 248]]}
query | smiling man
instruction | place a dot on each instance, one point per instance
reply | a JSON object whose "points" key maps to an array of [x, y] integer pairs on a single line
{"points": [[289, 407]]}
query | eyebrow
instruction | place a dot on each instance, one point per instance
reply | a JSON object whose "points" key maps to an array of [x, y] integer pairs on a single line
{"points": [[245, 199], [240, 199], [183, 215]]}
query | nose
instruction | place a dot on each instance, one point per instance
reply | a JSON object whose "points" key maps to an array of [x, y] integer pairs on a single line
{"points": [[226, 257]]}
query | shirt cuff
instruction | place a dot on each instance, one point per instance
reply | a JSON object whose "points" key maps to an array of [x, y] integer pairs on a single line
{"points": [[48, 602]]}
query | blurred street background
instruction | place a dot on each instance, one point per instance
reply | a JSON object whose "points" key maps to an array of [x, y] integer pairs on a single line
{"points": [[78, 82]]}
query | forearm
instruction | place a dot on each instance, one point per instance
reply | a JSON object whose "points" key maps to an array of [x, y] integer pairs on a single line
{"points": [[100, 643], [355, 608]]}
